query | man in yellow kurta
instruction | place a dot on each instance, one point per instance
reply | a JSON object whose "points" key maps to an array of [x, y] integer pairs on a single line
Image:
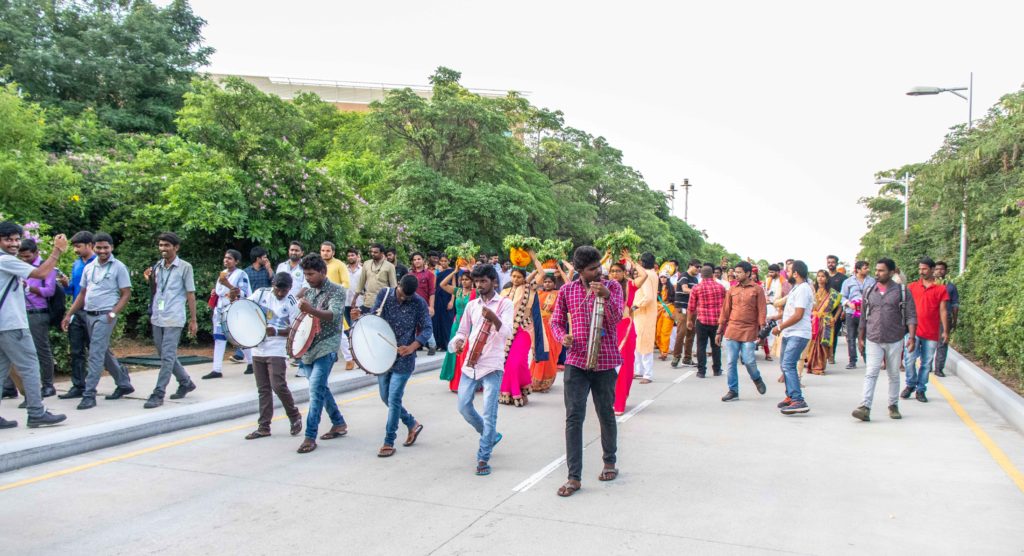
{"points": [[337, 273], [645, 319]]}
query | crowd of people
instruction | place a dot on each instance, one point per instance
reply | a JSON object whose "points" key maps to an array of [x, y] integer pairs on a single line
{"points": [[507, 331]]}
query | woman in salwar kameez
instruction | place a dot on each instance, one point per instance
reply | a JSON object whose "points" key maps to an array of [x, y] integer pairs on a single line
{"points": [[827, 304]]}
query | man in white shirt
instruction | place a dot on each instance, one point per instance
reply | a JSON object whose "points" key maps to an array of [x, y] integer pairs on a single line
{"points": [[292, 267], [16, 346], [355, 270], [269, 357], [796, 333], [485, 371]]}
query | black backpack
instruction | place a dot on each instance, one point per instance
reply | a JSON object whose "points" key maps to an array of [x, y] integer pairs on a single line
{"points": [[56, 306]]}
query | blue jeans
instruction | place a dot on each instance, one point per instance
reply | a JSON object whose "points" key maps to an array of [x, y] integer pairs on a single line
{"points": [[733, 351], [486, 425], [924, 352], [792, 347], [392, 387], [320, 396]]}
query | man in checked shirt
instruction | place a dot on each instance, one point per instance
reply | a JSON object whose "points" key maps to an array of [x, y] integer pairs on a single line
{"points": [[576, 300]]}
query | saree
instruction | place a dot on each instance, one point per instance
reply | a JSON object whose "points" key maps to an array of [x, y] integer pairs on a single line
{"points": [[625, 330], [452, 366], [527, 335], [666, 322], [443, 316], [826, 307], [543, 372]]}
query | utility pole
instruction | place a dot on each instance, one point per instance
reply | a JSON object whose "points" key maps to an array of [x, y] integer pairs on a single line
{"points": [[671, 198], [686, 200]]}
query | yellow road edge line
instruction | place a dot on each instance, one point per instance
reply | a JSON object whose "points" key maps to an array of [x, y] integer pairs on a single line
{"points": [[993, 449], [158, 447]]}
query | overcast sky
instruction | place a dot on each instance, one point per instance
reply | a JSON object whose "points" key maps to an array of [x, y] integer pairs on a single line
{"points": [[778, 113]]}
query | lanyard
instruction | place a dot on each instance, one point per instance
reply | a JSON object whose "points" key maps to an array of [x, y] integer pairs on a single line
{"points": [[92, 279], [167, 277]]}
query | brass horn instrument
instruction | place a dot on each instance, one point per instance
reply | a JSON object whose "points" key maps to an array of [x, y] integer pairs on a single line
{"points": [[595, 332]]}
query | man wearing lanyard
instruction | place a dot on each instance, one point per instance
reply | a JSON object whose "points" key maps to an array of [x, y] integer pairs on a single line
{"points": [[78, 332], [173, 286], [106, 288]]}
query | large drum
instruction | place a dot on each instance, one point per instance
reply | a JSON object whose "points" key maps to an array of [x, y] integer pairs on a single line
{"points": [[373, 344], [244, 323], [301, 334]]}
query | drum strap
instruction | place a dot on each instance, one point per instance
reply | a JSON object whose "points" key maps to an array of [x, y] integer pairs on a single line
{"points": [[387, 292]]}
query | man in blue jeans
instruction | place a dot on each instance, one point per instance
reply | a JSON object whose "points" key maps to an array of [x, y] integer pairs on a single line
{"points": [[407, 313], [743, 315], [795, 329], [485, 365], [931, 302], [324, 300]]}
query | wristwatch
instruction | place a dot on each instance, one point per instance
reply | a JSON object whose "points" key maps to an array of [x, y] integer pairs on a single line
{"points": [[112, 315]]}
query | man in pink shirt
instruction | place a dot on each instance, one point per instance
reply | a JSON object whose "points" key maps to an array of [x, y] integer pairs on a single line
{"points": [[426, 287], [496, 313]]}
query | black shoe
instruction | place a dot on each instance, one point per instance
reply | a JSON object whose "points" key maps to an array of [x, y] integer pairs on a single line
{"points": [[155, 400], [119, 393], [718, 373], [431, 351], [5, 424], [74, 392], [863, 413], [921, 397], [702, 375], [688, 362], [761, 388], [852, 365], [248, 369], [49, 391], [236, 359], [87, 403], [9, 394], [45, 420], [23, 404], [213, 374], [905, 394], [183, 390], [675, 362], [730, 396], [939, 373]]}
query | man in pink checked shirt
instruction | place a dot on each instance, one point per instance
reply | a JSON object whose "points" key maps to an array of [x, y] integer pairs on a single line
{"points": [[576, 301], [486, 371]]}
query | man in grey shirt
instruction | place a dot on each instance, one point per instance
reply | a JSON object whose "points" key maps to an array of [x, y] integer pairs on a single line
{"points": [[106, 288], [887, 317], [16, 346], [172, 285]]}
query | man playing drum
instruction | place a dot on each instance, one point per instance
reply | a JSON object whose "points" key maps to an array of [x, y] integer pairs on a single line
{"points": [[269, 360], [486, 360], [407, 314], [324, 300]]}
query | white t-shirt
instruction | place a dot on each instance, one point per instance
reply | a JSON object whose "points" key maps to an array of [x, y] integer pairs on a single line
{"points": [[353, 277], [298, 277], [800, 297], [12, 314], [280, 314]]}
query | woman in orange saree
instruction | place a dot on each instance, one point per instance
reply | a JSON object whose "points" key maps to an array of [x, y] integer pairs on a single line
{"points": [[666, 322], [543, 372]]}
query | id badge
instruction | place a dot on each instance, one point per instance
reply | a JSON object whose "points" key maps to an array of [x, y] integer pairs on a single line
{"points": [[160, 305]]}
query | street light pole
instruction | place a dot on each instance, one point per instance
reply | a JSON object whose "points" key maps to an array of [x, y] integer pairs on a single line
{"points": [[920, 91], [686, 200], [672, 198], [906, 196]]}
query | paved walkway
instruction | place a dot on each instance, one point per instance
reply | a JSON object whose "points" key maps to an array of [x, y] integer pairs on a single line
{"points": [[697, 476]]}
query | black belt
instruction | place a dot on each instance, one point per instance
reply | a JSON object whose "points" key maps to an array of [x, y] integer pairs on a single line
{"points": [[96, 313], [37, 311]]}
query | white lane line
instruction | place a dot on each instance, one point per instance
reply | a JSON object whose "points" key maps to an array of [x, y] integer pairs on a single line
{"points": [[539, 476], [634, 411], [683, 377]]}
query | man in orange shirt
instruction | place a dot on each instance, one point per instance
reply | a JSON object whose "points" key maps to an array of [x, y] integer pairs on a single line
{"points": [[743, 315]]}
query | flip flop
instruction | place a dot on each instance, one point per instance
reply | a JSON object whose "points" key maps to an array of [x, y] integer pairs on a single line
{"points": [[386, 451], [413, 435], [483, 468], [568, 489], [608, 474], [335, 432], [257, 434], [497, 439]]}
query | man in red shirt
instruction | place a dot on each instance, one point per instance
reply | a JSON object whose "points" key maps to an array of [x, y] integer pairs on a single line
{"points": [[931, 300], [426, 286], [704, 310]]}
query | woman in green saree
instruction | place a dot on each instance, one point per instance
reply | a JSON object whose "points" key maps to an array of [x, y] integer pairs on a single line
{"points": [[827, 304], [451, 369]]}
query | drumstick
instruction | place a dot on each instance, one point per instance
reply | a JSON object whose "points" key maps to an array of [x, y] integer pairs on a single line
{"points": [[383, 337]]}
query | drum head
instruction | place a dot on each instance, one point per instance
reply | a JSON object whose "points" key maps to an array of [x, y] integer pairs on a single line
{"points": [[373, 344], [301, 335], [245, 324]]}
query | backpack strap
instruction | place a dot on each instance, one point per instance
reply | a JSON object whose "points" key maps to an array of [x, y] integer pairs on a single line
{"points": [[7, 289]]}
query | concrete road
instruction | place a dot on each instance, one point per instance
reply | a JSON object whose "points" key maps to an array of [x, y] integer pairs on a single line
{"points": [[698, 476]]}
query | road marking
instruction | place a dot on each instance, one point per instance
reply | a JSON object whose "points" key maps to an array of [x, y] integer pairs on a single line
{"points": [[683, 377], [538, 476], [983, 437], [634, 411], [164, 446]]}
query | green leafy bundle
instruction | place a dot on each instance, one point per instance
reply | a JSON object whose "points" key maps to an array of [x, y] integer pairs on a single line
{"points": [[617, 241], [522, 242], [554, 249], [467, 250]]}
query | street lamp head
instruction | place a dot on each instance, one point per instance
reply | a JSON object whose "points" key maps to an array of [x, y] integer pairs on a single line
{"points": [[884, 181], [919, 91]]}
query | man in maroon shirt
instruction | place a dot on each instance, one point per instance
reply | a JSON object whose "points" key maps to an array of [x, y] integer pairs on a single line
{"points": [[576, 301], [704, 311], [931, 300], [426, 286]]}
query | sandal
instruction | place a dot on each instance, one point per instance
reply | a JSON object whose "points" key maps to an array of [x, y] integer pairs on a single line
{"points": [[258, 433], [386, 451], [414, 433], [645, 381], [307, 446], [296, 427], [608, 474], [335, 432], [569, 488], [483, 468]]}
